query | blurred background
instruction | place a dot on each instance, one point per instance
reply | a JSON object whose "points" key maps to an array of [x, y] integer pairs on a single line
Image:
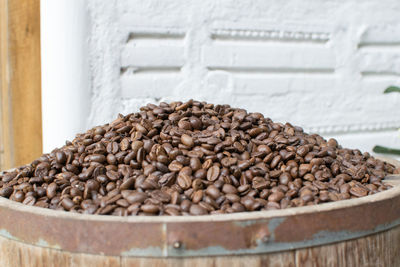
{"points": [[322, 65]]}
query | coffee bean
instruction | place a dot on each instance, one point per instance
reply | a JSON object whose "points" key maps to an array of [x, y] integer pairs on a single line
{"points": [[358, 191], [185, 205], [175, 166], [184, 124], [244, 164], [195, 164], [200, 174], [29, 200], [306, 195], [332, 143], [213, 173], [197, 196], [187, 140], [229, 189], [8, 176], [97, 158], [276, 197], [195, 123], [232, 198], [112, 148], [259, 183], [51, 190], [134, 197], [124, 145], [302, 151], [197, 210], [213, 191], [61, 157], [275, 161], [107, 209], [67, 203], [238, 207], [6, 191], [42, 169], [18, 196], [344, 176], [193, 158], [127, 184], [160, 196], [184, 180], [228, 161], [285, 178], [113, 175], [149, 208], [244, 189], [167, 179]]}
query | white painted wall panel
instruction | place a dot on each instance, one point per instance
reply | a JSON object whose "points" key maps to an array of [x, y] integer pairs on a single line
{"points": [[269, 57], [153, 86], [152, 56], [66, 99], [319, 64]]}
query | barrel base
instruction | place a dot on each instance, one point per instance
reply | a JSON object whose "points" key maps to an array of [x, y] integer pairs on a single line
{"points": [[380, 249]]}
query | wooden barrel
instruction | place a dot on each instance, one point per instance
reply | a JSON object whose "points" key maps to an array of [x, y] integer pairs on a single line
{"points": [[356, 232]]}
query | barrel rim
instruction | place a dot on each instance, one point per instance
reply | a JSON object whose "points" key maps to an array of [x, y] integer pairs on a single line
{"points": [[185, 236], [348, 203]]}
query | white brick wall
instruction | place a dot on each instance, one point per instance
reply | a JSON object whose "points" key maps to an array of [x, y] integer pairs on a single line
{"points": [[322, 65]]}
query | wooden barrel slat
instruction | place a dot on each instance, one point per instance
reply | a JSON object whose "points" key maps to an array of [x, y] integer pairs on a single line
{"points": [[381, 249]]}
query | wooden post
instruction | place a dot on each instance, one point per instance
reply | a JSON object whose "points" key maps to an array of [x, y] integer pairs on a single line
{"points": [[20, 82]]}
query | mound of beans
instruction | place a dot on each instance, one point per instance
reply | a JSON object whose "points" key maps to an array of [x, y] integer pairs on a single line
{"points": [[193, 158]]}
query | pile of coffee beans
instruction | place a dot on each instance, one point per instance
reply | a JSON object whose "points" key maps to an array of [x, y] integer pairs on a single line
{"points": [[193, 158]]}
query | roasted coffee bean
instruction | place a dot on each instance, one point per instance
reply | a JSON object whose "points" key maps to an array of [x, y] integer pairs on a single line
{"points": [[213, 173], [358, 191], [213, 191], [229, 189], [193, 158], [127, 184], [150, 208], [113, 175], [197, 210], [51, 190], [232, 197], [42, 169], [175, 166], [172, 212], [200, 174], [97, 158], [238, 207], [67, 203], [259, 183], [275, 161], [167, 179], [195, 164], [6, 191], [306, 195], [160, 196], [285, 178], [184, 180], [309, 177], [276, 197], [134, 197], [185, 205], [29, 200], [112, 148], [187, 140], [18, 196], [61, 157], [197, 196]]}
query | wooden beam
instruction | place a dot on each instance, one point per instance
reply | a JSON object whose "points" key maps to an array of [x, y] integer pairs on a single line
{"points": [[20, 70]]}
